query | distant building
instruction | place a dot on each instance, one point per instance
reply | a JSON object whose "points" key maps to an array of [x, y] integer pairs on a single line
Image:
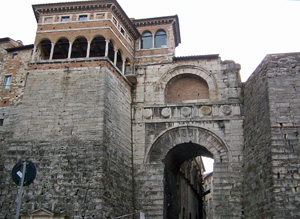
{"points": [[116, 123]]}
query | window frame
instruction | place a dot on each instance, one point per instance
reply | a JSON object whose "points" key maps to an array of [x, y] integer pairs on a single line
{"points": [[83, 16], [122, 30], [145, 37], [45, 19], [7, 82], [156, 38], [96, 15], [14, 56], [65, 16]]}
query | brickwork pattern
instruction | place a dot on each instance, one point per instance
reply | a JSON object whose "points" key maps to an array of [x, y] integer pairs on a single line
{"points": [[185, 88]]}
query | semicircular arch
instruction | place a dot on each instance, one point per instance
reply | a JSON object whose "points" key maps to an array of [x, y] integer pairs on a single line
{"points": [[190, 69], [185, 135]]}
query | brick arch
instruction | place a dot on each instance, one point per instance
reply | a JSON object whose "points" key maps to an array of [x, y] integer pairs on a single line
{"points": [[193, 70], [186, 135]]}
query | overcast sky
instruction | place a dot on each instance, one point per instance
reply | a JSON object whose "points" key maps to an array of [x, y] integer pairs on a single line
{"points": [[240, 30]]}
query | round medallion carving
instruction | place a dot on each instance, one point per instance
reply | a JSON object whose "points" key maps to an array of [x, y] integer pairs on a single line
{"points": [[186, 111], [226, 109], [166, 112], [206, 110], [147, 113]]}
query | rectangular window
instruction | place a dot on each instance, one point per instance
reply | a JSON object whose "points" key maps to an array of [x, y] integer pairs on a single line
{"points": [[15, 55], [7, 82], [1, 122], [82, 17], [122, 31], [100, 16], [65, 18], [48, 20]]}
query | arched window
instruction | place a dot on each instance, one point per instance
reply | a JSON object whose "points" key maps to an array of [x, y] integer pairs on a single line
{"points": [[97, 47], [160, 39], [61, 49], [45, 49], [186, 87], [79, 48], [146, 41]]}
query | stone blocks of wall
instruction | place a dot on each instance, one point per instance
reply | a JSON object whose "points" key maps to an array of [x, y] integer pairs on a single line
{"points": [[61, 127], [219, 114], [271, 162]]}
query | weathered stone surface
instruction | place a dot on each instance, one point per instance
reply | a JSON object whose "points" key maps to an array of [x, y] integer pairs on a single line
{"points": [[271, 151]]}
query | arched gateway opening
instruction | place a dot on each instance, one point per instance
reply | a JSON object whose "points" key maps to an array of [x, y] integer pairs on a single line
{"points": [[177, 152], [183, 176]]}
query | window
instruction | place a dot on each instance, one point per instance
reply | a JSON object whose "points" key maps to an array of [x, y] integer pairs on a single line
{"points": [[160, 39], [146, 42], [100, 16], [82, 17], [122, 31], [1, 122], [48, 20], [65, 18], [7, 81], [15, 55]]}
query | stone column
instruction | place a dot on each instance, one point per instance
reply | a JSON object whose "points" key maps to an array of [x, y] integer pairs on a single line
{"points": [[123, 66], [52, 51], [116, 56], [106, 48], [70, 50], [33, 53], [88, 49]]}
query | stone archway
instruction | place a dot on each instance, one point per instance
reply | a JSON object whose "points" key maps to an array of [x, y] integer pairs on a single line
{"points": [[180, 144], [199, 71], [185, 134]]}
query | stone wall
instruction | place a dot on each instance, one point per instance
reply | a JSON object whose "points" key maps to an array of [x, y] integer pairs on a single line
{"points": [[271, 163], [159, 127], [60, 127]]}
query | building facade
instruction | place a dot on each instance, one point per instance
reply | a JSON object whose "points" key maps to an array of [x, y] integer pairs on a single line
{"points": [[116, 124]]}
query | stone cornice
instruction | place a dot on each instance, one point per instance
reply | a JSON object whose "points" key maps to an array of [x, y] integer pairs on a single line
{"points": [[87, 6], [159, 21]]}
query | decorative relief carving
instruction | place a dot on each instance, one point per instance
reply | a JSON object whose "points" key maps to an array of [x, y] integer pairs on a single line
{"points": [[166, 112], [186, 111], [205, 110], [147, 113], [226, 109]]}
